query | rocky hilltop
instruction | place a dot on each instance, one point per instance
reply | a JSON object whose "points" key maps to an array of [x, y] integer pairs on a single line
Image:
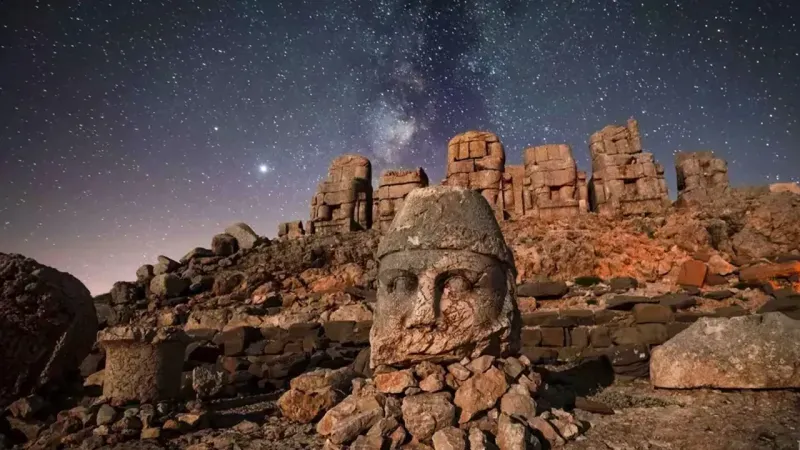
{"points": [[265, 343]]}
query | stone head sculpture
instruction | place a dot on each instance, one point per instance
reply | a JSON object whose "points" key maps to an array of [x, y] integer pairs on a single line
{"points": [[446, 282]]}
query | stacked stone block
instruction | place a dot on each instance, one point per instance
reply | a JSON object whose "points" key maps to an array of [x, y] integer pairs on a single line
{"points": [[393, 187], [291, 230], [553, 185], [476, 160], [625, 180], [700, 176], [343, 202], [271, 355]]}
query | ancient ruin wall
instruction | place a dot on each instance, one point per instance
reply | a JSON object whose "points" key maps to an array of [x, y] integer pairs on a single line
{"points": [[343, 202]]}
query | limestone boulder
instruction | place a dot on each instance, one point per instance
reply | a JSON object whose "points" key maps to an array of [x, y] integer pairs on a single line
{"points": [[747, 352], [168, 285], [245, 237], [47, 325], [224, 245]]}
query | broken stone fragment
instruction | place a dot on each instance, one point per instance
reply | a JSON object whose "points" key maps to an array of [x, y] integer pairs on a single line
{"points": [[26, 407], [512, 435], [106, 415], [459, 372], [305, 407], [450, 438], [518, 403], [168, 285], [245, 237], [165, 265], [480, 393], [395, 382], [207, 381], [425, 414], [350, 418], [144, 273], [480, 364]]}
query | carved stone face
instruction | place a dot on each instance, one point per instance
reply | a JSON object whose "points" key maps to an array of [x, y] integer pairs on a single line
{"points": [[446, 282], [440, 305]]}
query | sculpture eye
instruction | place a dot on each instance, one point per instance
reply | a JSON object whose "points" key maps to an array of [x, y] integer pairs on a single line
{"points": [[403, 284], [457, 283]]}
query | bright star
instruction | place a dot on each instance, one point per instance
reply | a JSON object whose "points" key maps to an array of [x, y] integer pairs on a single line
{"points": [[263, 168]]}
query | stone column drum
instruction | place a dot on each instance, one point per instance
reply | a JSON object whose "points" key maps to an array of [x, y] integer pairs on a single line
{"points": [[142, 364]]}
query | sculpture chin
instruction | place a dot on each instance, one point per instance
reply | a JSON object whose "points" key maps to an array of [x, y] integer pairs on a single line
{"points": [[439, 346]]}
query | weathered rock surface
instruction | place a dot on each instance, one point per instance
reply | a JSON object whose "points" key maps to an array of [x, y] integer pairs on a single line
{"points": [[245, 237], [353, 416], [750, 352], [425, 414], [47, 325]]}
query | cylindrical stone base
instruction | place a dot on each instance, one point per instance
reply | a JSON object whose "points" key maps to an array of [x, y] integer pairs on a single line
{"points": [[144, 372]]}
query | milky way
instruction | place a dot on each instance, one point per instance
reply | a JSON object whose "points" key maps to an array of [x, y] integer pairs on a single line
{"points": [[133, 129]]}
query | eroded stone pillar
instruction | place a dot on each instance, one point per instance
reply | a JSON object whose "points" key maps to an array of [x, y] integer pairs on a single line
{"points": [[393, 187], [701, 175], [142, 364], [476, 160], [625, 180], [343, 202], [554, 187]]}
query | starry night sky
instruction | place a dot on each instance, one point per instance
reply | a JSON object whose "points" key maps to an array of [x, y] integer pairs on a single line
{"points": [[130, 129]]}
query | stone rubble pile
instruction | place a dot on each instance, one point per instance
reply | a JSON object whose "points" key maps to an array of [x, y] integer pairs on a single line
{"points": [[482, 403]]}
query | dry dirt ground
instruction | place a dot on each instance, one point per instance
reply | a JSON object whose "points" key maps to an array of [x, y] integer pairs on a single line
{"points": [[648, 418]]}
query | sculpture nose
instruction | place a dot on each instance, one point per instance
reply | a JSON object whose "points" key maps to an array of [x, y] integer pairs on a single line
{"points": [[424, 310]]}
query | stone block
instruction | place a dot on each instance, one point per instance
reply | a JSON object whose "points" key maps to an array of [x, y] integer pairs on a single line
{"points": [[692, 273], [600, 337], [579, 337], [652, 313], [653, 333], [553, 337], [531, 337]]}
